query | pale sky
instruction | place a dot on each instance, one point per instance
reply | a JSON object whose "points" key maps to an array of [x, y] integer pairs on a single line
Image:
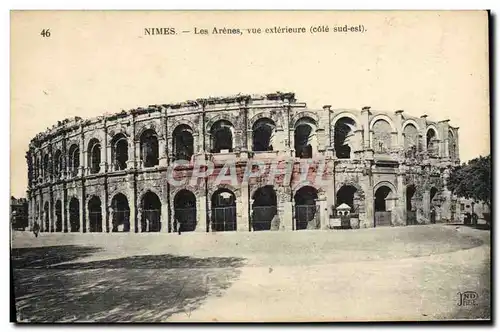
{"points": [[433, 63]]}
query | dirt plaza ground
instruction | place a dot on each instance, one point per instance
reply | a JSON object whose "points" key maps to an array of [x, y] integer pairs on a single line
{"points": [[391, 273]]}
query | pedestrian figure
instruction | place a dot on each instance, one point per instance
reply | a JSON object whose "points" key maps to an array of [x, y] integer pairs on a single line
{"points": [[36, 229], [179, 228]]}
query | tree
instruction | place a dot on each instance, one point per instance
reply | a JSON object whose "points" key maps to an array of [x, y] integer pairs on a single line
{"points": [[472, 180]]}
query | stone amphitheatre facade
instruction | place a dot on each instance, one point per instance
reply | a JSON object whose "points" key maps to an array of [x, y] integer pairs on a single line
{"points": [[110, 173]]}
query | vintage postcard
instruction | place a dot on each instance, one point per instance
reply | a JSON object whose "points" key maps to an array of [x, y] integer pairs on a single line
{"points": [[250, 166]]}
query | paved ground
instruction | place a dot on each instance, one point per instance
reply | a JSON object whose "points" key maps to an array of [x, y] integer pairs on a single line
{"points": [[400, 273]]}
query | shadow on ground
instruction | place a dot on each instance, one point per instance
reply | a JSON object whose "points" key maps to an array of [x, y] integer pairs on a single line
{"points": [[137, 288], [484, 227], [43, 257]]}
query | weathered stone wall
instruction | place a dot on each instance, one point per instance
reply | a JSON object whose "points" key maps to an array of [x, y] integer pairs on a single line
{"points": [[400, 160]]}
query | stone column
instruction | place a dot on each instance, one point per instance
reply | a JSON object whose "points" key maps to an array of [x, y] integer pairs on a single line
{"points": [[249, 139], [291, 142], [401, 202], [422, 131], [83, 157], [323, 211], [399, 127], [365, 123], [64, 214], [285, 211], [164, 224], [369, 215], [426, 206], [201, 212], [243, 220], [81, 213], [162, 146], [104, 213]]}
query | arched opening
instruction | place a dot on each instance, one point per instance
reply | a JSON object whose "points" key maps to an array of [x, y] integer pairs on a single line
{"points": [[383, 207], [185, 211], [74, 215], [59, 221], [120, 214], [347, 194], [410, 133], [432, 196], [411, 214], [119, 152], [306, 211], [222, 136], [343, 137], [58, 164], [305, 135], [94, 156], [149, 148], [183, 142], [46, 173], [74, 159], [382, 136], [223, 210], [265, 209], [151, 213], [46, 215], [431, 142], [95, 215], [262, 135]]}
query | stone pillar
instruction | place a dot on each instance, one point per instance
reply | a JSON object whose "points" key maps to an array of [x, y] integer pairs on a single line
{"points": [[422, 133], [242, 210], [399, 127], [104, 213], [201, 213], [291, 142], [249, 139], [285, 211], [365, 123], [323, 211], [83, 158], [162, 146], [64, 214], [426, 206], [164, 221], [369, 215], [138, 156], [81, 214], [87, 220], [401, 202]]}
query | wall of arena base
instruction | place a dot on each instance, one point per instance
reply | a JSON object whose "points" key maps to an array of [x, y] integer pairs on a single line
{"points": [[134, 186]]}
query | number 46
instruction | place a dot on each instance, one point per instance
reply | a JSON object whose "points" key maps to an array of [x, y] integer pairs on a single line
{"points": [[45, 33]]}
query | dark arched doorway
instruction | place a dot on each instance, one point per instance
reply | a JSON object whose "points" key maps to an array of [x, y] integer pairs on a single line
{"points": [[382, 212], [343, 137], [185, 211], [120, 212], [151, 213], [305, 131], [119, 152], [95, 215], [306, 211], [223, 210], [149, 148], [262, 135], [265, 209], [183, 142], [222, 136]]}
